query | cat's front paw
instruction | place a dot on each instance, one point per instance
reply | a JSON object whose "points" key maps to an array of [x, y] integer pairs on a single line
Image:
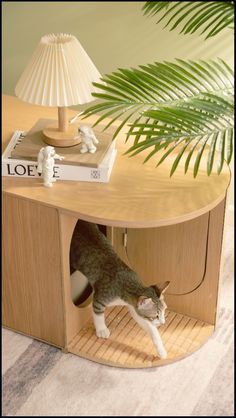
{"points": [[162, 353], [103, 333]]}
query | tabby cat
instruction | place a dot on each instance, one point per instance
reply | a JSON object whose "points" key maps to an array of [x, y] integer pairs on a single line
{"points": [[114, 283]]}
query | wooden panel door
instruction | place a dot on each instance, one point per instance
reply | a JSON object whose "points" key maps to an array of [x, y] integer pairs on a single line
{"points": [[188, 254], [32, 283], [176, 253]]}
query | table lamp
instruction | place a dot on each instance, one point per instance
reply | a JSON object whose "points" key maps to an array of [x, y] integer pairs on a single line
{"points": [[60, 73]]}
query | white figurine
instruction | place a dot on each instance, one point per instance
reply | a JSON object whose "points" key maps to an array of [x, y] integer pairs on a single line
{"points": [[88, 139], [46, 160]]}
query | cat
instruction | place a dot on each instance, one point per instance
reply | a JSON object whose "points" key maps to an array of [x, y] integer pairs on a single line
{"points": [[114, 283]]}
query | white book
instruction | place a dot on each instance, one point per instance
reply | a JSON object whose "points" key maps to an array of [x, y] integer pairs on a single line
{"points": [[25, 168]]}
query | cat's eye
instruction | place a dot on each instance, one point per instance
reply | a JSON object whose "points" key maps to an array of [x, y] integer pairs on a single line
{"points": [[154, 317]]}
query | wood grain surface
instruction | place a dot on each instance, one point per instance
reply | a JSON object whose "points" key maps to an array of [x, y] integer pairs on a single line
{"points": [[32, 283], [137, 195], [130, 347]]}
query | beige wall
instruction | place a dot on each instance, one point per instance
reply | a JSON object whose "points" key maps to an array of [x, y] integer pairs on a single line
{"points": [[114, 34]]}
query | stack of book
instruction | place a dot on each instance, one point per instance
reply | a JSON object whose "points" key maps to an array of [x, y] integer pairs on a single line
{"points": [[20, 157]]}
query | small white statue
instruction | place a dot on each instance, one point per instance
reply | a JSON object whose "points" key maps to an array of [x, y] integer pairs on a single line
{"points": [[46, 160], [88, 139]]}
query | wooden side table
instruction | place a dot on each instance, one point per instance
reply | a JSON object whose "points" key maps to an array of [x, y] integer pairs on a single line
{"points": [[174, 230]]}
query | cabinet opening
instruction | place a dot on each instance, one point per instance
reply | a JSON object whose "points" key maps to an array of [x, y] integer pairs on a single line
{"points": [[81, 290], [187, 326]]}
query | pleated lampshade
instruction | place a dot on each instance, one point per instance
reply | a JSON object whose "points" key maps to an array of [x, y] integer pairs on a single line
{"points": [[60, 73]]}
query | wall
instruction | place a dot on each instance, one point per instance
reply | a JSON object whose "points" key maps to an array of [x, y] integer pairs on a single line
{"points": [[114, 34]]}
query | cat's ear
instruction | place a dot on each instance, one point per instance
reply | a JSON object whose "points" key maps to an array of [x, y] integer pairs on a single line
{"points": [[145, 303], [161, 287]]}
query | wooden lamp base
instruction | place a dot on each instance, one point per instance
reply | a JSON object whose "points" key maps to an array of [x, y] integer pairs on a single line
{"points": [[56, 138], [63, 134]]}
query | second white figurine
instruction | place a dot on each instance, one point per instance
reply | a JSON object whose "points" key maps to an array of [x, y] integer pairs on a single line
{"points": [[89, 140]]}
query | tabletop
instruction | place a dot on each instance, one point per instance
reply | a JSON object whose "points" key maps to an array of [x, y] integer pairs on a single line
{"points": [[137, 195]]}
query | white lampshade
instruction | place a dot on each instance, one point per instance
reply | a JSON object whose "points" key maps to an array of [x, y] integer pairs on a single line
{"points": [[60, 73]]}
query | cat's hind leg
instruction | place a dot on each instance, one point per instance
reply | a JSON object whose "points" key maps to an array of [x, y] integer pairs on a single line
{"points": [[99, 320]]}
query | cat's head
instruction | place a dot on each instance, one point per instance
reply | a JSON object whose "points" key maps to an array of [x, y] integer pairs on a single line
{"points": [[151, 304]]}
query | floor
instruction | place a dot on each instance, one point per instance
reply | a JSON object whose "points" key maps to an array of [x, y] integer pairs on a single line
{"points": [[39, 380]]}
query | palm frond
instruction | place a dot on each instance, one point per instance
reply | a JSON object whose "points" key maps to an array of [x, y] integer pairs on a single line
{"points": [[196, 122], [165, 104], [209, 17]]}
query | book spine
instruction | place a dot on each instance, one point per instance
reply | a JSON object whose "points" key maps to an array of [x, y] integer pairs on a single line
{"points": [[23, 168]]}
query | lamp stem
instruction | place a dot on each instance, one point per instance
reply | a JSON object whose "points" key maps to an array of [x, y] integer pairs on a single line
{"points": [[62, 119]]}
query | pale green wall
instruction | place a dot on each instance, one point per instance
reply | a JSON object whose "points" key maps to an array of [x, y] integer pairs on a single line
{"points": [[114, 34]]}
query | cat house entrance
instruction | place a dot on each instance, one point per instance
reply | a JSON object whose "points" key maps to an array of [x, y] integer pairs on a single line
{"points": [[188, 323], [81, 290]]}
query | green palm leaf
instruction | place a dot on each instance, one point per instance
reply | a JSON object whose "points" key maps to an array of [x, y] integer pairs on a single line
{"points": [[188, 100], [209, 17], [211, 154]]}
